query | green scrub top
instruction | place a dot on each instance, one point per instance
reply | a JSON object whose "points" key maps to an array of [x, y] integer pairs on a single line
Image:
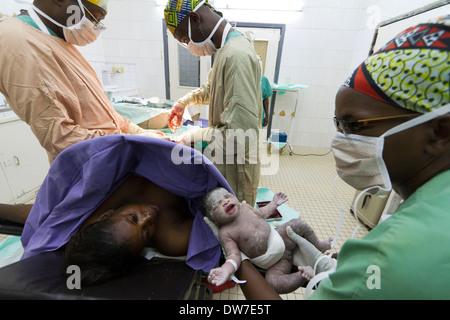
{"points": [[233, 34], [404, 257], [266, 93], [30, 22], [266, 88]]}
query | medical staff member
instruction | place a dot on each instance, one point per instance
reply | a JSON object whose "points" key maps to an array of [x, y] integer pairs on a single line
{"points": [[393, 121], [266, 94], [46, 80], [233, 90]]}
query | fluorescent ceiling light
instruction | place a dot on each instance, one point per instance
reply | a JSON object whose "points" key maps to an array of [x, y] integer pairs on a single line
{"points": [[29, 2], [265, 5]]}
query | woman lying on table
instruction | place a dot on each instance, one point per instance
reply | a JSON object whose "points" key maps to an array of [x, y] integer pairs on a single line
{"points": [[106, 199]]}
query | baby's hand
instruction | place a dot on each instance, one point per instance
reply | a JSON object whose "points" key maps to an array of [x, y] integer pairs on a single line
{"points": [[280, 198], [218, 276]]}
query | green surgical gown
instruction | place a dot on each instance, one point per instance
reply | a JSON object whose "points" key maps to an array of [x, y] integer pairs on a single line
{"points": [[405, 257]]}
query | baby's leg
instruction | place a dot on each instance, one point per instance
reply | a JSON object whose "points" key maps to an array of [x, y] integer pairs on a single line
{"points": [[304, 230], [279, 276]]}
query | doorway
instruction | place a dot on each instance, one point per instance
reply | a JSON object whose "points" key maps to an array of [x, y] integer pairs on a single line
{"points": [[184, 72]]}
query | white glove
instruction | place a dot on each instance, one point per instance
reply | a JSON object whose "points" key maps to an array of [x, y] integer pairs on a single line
{"points": [[153, 134], [136, 130]]}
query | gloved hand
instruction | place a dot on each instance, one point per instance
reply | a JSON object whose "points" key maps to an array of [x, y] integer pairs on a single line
{"points": [[136, 130], [153, 134], [176, 116]]}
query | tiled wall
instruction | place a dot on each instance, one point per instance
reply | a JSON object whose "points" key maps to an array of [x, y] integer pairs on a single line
{"points": [[319, 51], [323, 45], [134, 36], [322, 48]]}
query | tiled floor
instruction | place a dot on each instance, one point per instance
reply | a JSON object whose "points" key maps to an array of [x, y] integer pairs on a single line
{"points": [[308, 180]]}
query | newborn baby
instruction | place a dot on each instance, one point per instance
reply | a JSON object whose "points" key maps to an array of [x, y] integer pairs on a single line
{"points": [[243, 228]]}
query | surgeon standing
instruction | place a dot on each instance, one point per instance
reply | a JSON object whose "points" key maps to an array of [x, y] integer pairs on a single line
{"points": [[266, 94], [46, 80], [233, 91]]}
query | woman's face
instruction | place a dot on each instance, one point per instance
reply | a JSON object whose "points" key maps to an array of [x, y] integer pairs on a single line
{"points": [[135, 224]]}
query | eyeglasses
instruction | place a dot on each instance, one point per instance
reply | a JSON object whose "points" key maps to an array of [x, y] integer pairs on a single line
{"points": [[351, 126], [99, 25]]}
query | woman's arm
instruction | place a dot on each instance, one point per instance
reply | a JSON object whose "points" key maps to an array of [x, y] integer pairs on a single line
{"points": [[15, 212], [256, 287]]}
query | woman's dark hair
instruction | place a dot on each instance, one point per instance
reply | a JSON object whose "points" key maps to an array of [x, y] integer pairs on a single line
{"points": [[98, 253]]}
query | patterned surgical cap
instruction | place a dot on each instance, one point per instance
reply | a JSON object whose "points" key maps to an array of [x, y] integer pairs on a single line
{"points": [[411, 71], [177, 10]]}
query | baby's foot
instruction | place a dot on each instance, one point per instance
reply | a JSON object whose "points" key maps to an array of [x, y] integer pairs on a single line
{"points": [[324, 245], [307, 272]]}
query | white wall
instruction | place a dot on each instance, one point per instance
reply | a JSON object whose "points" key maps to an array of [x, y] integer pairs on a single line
{"points": [[323, 45], [10, 7], [134, 36], [322, 49], [318, 52]]}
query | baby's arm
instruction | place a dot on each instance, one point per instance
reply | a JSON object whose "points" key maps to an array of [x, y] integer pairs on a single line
{"points": [[270, 208], [219, 276]]}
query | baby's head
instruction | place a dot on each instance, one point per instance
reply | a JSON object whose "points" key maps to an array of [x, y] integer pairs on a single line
{"points": [[219, 205]]}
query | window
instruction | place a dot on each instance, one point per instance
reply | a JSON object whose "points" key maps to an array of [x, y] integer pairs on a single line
{"points": [[189, 68]]}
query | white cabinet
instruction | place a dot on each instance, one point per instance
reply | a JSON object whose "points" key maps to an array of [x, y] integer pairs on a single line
{"points": [[23, 162]]}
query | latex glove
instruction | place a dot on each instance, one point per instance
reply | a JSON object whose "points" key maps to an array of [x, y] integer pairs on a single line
{"points": [[280, 198], [135, 129], [153, 134], [176, 116], [191, 137]]}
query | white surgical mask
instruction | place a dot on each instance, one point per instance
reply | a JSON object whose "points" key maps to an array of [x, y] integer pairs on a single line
{"points": [[81, 33], [359, 159], [206, 47], [359, 162]]}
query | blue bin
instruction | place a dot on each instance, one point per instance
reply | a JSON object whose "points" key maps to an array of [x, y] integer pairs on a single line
{"points": [[279, 137]]}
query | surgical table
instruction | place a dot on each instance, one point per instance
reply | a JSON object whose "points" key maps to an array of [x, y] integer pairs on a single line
{"points": [[10, 228], [42, 277]]}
